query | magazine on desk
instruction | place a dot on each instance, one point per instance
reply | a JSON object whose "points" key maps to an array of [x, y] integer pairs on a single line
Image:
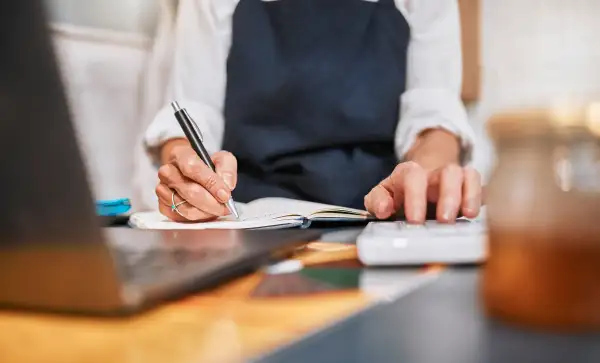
{"points": [[260, 214]]}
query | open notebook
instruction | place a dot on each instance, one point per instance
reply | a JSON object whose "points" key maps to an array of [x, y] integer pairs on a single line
{"points": [[261, 213]]}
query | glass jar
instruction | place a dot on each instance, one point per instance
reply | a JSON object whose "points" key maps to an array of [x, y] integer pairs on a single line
{"points": [[543, 216]]}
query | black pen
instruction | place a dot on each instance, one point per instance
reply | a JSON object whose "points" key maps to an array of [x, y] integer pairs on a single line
{"points": [[194, 136]]}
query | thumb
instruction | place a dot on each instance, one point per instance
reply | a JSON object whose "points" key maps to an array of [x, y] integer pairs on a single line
{"points": [[226, 167]]}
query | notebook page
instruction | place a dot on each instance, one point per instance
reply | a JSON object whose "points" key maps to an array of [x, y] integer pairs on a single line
{"points": [[267, 208], [155, 220], [281, 207]]}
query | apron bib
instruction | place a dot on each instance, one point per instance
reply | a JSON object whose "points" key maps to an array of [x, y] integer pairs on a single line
{"points": [[312, 99]]}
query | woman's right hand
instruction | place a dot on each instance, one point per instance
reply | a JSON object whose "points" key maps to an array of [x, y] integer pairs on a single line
{"points": [[201, 192]]}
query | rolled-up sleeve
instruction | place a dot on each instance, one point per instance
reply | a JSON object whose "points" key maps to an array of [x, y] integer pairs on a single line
{"points": [[198, 75], [190, 68], [434, 76]]}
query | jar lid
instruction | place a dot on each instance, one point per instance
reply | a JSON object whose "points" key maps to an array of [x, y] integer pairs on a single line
{"points": [[546, 121]]}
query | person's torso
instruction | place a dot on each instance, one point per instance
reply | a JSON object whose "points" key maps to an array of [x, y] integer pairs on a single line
{"points": [[312, 97]]}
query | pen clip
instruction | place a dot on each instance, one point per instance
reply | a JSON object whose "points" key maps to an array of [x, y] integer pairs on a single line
{"points": [[196, 128]]}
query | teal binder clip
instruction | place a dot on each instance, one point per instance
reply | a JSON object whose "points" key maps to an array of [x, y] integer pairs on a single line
{"points": [[113, 208]]}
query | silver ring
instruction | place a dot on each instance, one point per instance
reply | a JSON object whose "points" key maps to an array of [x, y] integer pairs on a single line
{"points": [[175, 205]]}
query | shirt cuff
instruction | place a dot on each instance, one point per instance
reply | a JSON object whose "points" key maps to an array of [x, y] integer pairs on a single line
{"points": [[424, 109]]}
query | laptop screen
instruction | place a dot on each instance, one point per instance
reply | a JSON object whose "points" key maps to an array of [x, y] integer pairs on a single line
{"points": [[44, 192]]}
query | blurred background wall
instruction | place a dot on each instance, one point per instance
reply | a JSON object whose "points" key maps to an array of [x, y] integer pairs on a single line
{"points": [[536, 52], [532, 52], [132, 16], [103, 46]]}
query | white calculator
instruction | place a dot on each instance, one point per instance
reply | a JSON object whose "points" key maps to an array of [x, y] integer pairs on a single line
{"points": [[401, 243]]}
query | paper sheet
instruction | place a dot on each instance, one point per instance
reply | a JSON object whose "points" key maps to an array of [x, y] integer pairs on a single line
{"points": [[281, 207], [155, 220]]}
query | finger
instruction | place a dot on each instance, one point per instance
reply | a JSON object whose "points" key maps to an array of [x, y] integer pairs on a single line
{"points": [[388, 196], [397, 182], [172, 215], [450, 189], [226, 166], [200, 198], [163, 193], [193, 168], [168, 174], [175, 217], [189, 190], [188, 211], [165, 207], [472, 193], [414, 184], [379, 202]]}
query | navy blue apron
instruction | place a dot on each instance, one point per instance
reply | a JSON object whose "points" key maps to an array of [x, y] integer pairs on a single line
{"points": [[312, 101]]}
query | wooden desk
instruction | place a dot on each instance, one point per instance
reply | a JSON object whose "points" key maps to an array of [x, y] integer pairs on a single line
{"points": [[226, 324]]}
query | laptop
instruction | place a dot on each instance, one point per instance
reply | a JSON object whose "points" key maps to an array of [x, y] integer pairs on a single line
{"points": [[54, 256]]}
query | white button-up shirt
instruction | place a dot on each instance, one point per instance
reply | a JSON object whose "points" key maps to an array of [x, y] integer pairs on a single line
{"points": [[202, 38]]}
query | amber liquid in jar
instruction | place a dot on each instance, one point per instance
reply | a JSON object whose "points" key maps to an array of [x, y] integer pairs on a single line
{"points": [[544, 280], [543, 216]]}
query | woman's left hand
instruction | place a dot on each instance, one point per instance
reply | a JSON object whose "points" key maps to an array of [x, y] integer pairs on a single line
{"points": [[411, 187], [432, 178]]}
